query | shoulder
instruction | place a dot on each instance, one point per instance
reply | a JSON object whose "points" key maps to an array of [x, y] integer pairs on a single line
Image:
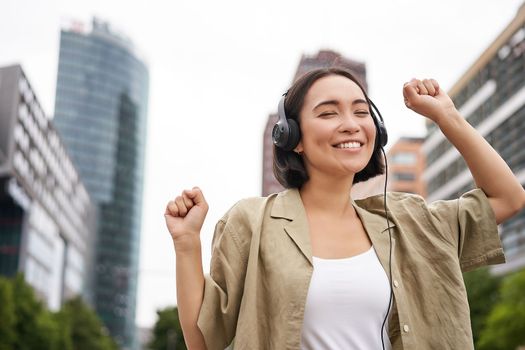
{"points": [[247, 208], [397, 202], [248, 213]]}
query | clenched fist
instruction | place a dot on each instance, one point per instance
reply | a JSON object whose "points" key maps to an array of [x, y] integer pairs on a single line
{"points": [[185, 215], [426, 98]]}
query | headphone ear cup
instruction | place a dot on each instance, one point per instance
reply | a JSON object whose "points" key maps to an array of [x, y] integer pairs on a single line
{"points": [[382, 134], [280, 133], [294, 135]]}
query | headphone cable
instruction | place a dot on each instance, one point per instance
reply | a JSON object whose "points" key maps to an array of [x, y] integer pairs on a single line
{"points": [[390, 251]]}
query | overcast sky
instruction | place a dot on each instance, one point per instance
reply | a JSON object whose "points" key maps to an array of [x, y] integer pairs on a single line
{"points": [[218, 68]]}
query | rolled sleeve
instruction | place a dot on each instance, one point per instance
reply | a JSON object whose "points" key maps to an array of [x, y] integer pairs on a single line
{"points": [[222, 289], [469, 223]]}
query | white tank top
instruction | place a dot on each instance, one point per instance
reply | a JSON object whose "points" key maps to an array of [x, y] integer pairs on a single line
{"points": [[346, 304]]}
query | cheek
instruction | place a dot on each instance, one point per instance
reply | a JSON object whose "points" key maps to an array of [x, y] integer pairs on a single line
{"points": [[314, 134], [370, 130]]}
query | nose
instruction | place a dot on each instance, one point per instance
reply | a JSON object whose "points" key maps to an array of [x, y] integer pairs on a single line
{"points": [[349, 123]]}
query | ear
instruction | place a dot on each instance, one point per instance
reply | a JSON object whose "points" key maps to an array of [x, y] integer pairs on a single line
{"points": [[299, 148]]}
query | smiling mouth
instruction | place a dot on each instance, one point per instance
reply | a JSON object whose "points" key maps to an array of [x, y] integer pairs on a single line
{"points": [[353, 144]]}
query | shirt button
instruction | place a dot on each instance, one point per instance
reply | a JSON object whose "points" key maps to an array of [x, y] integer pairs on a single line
{"points": [[405, 328], [396, 283]]}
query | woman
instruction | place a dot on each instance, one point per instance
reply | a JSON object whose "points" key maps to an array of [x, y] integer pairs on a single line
{"points": [[309, 268]]}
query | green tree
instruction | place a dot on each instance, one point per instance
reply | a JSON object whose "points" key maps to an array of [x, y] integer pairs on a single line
{"points": [[25, 322], [35, 327], [505, 326], [64, 341], [7, 315], [483, 293], [85, 328], [167, 332]]}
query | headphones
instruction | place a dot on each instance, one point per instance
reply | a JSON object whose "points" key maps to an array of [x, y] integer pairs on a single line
{"points": [[286, 132]]}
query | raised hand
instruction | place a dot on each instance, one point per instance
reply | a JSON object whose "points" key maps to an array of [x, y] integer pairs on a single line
{"points": [[428, 99], [185, 215]]}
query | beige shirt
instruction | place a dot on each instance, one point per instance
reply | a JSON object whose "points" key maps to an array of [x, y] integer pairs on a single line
{"points": [[262, 264]]}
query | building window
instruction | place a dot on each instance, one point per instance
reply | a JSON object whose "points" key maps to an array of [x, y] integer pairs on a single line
{"points": [[399, 176], [405, 158]]}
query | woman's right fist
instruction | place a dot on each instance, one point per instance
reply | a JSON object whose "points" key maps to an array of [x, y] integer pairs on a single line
{"points": [[185, 214]]}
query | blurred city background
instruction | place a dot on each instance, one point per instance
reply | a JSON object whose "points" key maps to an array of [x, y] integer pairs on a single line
{"points": [[110, 109]]}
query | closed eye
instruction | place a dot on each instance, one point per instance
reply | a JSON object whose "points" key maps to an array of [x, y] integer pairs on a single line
{"points": [[327, 114], [362, 112]]}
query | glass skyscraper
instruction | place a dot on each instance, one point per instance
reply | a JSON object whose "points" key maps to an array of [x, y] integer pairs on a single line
{"points": [[100, 113]]}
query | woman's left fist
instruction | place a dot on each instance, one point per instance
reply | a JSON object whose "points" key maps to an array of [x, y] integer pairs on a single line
{"points": [[426, 98]]}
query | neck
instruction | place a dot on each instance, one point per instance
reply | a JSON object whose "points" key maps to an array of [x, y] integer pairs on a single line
{"points": [[327, 195]]}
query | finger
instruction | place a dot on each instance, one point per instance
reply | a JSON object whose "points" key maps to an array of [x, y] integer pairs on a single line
{"points": [[430, 87], [196, 195], [422, 88], [409, 93], [171, 209], [181, 206], [436, 85], [187, 201], [413, 82]]}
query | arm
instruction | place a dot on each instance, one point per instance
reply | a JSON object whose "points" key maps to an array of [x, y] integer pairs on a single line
{"points": [[184, 218], [490, 172]]}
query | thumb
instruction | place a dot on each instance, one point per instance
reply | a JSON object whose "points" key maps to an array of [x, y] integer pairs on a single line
{"points": [[196, 195], [410, 94]]}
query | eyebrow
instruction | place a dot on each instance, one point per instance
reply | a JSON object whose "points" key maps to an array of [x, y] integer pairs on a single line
{"points": [[335, 102]]}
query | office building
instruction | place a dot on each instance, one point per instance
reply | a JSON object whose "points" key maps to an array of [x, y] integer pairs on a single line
{"points": [[100, 112], [323, 59], [491, 96], [406, 163], [47, 220]]}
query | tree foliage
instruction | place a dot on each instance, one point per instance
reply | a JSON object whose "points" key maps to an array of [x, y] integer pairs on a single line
{"points": [[34, 324], [483, 293], [505, 325], [7, 315], [86, 331], [167, 332], [26, 323]]}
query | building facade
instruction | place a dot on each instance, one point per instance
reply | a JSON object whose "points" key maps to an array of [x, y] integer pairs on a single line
{"points": [[47, 220], [323, 59], [406, 163], [491, 96], [100, 112]]}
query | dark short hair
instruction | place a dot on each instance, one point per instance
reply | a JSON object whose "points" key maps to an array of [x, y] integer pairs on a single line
{"points": [[288, 166]]}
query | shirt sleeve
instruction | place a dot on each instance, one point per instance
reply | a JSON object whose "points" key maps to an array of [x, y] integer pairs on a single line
{"points": [[222, 288], [470, 224]]}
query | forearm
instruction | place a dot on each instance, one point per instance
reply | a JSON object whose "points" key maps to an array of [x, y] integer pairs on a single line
{"points": [[489, 170], [190, 291]]}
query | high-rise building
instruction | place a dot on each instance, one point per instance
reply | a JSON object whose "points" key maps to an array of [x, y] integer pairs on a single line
{"points": [[406, 163], [47, 220], [100, 112], [323, 59], [491, 96]]}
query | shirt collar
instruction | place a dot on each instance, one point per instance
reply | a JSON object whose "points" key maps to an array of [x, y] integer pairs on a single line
{"points": [[289, 206]]}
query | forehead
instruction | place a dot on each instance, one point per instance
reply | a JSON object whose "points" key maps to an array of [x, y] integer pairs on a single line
{"points": [[333, 87]]}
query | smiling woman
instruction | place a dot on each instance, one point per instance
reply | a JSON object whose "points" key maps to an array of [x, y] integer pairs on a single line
{"points": [[310, 268], [289, 166]]}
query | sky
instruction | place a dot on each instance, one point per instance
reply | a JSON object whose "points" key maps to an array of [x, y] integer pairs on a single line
{"points": [[218, 68]]}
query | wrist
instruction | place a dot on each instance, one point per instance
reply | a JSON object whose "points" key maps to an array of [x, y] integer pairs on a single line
{"points": [[187, 244], [448, 119]]}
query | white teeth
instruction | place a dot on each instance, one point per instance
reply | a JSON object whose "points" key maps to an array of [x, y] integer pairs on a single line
{"points": [[349, 145]]}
